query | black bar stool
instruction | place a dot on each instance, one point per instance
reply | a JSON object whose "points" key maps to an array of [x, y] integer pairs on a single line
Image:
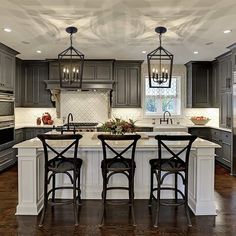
{"points": [[163, 167], [62, 163], [118, 164]]}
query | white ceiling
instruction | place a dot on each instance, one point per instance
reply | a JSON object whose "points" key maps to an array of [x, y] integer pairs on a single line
{"points": [[119, 29]]}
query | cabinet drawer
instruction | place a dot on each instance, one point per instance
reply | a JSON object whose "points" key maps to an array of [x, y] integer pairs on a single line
{"points": [[226, 137], [216, 134]]}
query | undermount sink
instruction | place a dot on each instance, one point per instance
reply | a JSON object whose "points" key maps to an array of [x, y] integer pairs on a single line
{"points": [[170, 128]]}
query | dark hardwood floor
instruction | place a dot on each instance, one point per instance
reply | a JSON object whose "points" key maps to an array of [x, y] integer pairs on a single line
{"points": [[172, 222]]}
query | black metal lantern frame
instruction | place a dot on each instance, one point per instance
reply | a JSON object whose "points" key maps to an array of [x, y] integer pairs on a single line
{"points": [[160, 64], [71, 63]]}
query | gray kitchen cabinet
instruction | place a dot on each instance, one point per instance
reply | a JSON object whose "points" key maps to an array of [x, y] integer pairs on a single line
{"points": [[18, 83], [204, 133], [226, 147], [215, 85], [225, 71], [7, 68], [127, 89], [34, 92], [226, 109], [221, 137], [7, 158], [19, 135], [30, 133], [93, 69], [199, 84]]}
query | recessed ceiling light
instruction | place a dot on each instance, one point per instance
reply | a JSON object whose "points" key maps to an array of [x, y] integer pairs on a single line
{"points": [[38, 51], [227, 31], [8, 30], [195, 52], [144, 51]]}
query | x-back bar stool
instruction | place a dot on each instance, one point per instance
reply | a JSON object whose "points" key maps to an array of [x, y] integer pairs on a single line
{"points": [[118, 164], [174, 165], [63, 162]]}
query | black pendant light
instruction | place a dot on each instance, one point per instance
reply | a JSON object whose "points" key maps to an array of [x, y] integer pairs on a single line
{"points": [[160, 63], [71, 62]]}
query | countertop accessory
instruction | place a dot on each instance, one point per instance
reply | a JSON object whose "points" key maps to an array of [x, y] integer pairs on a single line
{"points": [[71, 63], [160, 63], [200, 120], [119, 126]]}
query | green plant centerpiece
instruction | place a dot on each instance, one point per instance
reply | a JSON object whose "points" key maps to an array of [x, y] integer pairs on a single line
{"points": [[119, 126]]}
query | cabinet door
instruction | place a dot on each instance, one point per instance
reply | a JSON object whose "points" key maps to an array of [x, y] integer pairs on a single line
{"points": [[120, 96], [225, 73], [127, 89], [54, 71], [7, 158], [226, 152], [134, 95], [29, 133], [226, 109], [7, 71], [19, 135], [35, 92], [18, 83], [201, 85], [215, 85], [89, 72]]}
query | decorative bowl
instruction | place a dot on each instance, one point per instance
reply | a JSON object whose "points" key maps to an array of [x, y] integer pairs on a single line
{"points": [[200, 120]]}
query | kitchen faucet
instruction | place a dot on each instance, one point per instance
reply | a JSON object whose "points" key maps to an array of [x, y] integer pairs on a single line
{"points": [[164, 119], [68, 120]]}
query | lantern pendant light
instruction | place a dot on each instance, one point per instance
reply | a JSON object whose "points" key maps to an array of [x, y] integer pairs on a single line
{"points": [[160, 63], [71, 63]]}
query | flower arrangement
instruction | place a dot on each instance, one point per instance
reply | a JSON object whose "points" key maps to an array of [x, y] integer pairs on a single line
{"points": [[119, 126]]}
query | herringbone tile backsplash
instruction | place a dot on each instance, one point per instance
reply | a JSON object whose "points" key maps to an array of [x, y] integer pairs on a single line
{"points": [[87, 106]]}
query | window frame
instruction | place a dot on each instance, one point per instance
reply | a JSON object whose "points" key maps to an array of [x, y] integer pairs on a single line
{"points": [[159, 116]]}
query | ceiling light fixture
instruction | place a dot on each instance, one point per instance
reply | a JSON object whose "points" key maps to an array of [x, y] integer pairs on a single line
{"points": [[227, 31], [71, 62], [38, 51], [160, 63], [144, 51], [8, 30], [195, 52]]}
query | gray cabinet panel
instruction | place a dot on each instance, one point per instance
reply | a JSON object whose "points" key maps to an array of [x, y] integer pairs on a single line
{"points": [[93, 70], [223, 138], [225, 72], [18, 83], [7, 158], [19, 135], [127, 84], [35, 93], [199, 84], [215, 85], [225, 109]]}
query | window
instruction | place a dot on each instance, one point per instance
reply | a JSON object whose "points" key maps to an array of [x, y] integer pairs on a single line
{"points": [[158, 100]]}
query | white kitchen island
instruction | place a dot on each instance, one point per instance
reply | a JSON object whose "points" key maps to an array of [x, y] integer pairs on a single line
{"points": [[31, 171]]}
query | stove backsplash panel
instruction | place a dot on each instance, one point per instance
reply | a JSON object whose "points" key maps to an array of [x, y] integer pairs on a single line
{"points": [[87, 106]]}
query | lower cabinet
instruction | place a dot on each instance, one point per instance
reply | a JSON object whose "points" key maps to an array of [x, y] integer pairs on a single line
{"points": [[221, 137], [7, 158], [30, 133]]}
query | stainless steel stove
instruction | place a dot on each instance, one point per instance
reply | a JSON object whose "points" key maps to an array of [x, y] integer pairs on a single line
{"points": [[79, 127]]}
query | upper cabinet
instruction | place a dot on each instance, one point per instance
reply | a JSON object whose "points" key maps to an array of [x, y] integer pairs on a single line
{"points": [[34, 93], [199, 84], [93, 70], [225, 72], [127, 89], [18, 83], [7, 68], [215, 85]]}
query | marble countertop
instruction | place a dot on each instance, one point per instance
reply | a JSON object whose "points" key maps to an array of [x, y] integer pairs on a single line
{"points": [[90, 142], [138, 124]]}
